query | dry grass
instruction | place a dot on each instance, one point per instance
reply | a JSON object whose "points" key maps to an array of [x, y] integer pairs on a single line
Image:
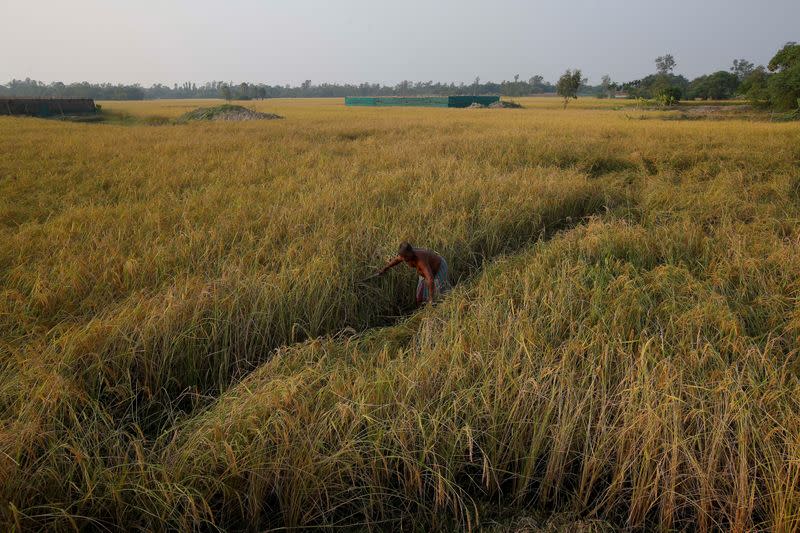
{"points": [[184, 343]]}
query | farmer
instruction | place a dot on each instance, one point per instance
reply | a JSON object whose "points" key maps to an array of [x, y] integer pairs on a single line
{"points": [[431, 267]]}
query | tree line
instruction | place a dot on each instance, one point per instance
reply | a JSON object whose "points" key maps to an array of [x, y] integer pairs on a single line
{"points": [[777, 85], [251, 91]]}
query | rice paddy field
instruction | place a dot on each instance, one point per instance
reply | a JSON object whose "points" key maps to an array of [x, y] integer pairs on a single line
{"points": [[185, 342]]}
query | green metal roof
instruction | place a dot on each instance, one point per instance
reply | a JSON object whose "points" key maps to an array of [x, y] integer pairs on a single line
{"points": [[419, 101]]}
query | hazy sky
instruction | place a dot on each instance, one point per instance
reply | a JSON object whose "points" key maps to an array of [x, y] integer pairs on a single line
{"points": [[283, 41]]}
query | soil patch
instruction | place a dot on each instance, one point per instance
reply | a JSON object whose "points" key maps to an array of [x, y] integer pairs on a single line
{"points": [[226, 112], [500, 104], [505, 104]]}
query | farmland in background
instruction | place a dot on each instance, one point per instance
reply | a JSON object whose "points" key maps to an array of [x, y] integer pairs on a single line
{"points": [[185, 342]]}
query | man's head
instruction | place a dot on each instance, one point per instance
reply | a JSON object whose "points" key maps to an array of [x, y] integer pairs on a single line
{"points": [[406, 251]]}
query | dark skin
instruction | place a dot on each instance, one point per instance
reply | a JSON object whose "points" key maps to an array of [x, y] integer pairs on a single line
{"points": [[426, 264]]}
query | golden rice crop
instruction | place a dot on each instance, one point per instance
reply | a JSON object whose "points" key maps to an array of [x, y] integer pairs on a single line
{"points": [[185, 342]]}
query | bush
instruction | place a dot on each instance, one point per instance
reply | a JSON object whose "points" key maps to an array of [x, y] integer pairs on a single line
{"points": [[668, 96]]}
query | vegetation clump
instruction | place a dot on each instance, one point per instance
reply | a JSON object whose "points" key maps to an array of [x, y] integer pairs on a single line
{"points": [[229, 112]]}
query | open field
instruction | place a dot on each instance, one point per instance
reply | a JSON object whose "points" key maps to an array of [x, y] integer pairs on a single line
{"points": [[184, 342]]}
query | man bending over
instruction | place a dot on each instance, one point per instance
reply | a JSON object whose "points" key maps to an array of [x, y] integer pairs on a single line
{"points": [[431, 267]]}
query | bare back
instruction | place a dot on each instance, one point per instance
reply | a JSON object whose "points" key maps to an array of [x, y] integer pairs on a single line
{"points": [[425, 257]]}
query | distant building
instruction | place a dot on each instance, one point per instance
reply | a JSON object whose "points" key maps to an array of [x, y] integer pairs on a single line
{"points": [[420, 101], [46, 107]]}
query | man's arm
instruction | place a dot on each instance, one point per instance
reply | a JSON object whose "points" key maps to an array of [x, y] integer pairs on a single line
{"points": [[391, 264]]}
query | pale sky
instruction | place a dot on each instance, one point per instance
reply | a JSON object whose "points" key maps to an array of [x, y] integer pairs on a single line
{"points": [[288, 41]]}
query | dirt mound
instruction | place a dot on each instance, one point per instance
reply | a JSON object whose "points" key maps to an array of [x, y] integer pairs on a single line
{"points": [[500, 104], [226, 112], [505, 104]]}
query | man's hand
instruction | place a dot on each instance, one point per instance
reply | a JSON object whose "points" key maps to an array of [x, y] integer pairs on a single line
{"points": [[372, 276], [391, 264]]}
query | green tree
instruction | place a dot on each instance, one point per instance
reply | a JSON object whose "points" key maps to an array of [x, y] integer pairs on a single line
{"points": [[568, 85], [244, 91], [665, 64], [784, 83], [720, 85], [606, 87], [742, 68], [654, 84], [664, 89], [225, 91], [668, 95], [403, 87], [754, 86], [536, 84]]}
